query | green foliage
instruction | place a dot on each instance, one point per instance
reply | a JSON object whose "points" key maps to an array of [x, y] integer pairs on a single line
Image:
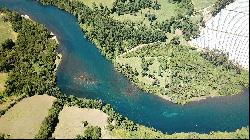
{"points": [[219, 58], [4, 136], [132, 6], [2, 112], [85, 123], [92, 132], [175, 41], [189, 74], [148, 133], [219, 5], [50, 122], [30, 60], [108, 34], [129, 72], [189, 28]]}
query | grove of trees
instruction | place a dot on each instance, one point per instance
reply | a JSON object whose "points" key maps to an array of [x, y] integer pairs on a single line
{"points": [[29, 60], [109, 35]]}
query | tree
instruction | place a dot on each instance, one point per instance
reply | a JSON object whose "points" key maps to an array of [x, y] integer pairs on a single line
{"points": [[175, 40], [8, 44], [92, 132]]}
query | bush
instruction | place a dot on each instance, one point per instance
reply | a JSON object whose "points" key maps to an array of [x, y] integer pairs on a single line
{"points": [[91, 132]]}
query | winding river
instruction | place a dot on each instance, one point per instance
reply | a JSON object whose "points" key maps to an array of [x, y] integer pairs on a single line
{"points": [[85, 73]]}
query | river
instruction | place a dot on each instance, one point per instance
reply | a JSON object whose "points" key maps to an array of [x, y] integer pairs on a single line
{"points": [[85, 73]]}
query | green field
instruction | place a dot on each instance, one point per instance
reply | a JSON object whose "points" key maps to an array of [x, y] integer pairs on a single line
{"points": [[6, 30], [201, 4], [166, 12], [89, 3]]}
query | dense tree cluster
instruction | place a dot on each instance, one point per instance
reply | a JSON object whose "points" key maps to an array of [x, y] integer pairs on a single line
{"points": [[129, 72], [189, 28], [132, 6], [111, 37], [219, 5], [30, 60], [219, 58]]}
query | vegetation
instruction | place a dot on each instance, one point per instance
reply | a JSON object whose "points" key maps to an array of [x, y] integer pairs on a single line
{"points": [[50, 122], [111, 37], [3, 79], [30, 60], [35, 51], [189, 28], [219, 5], [132, 6], [4, 136], [91, 132], [6, 29], [90, 3], [147, 133], [182, 73], [2, 112], [24, 119], [201, 4]]}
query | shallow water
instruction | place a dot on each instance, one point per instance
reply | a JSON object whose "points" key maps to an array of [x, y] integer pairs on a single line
{"points": [[85, 73]]}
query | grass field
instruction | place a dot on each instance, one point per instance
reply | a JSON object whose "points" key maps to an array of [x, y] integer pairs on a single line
{"points": [[135, 62], [23, 120], [89, 3], [201, 4], [6, 30], [166, 12], [71, 118]]}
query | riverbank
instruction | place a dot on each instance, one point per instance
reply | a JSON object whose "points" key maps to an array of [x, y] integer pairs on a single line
{"points": [[58, 56], [68, 110]]}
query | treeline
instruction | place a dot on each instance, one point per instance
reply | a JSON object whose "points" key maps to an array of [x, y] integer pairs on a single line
{"points": [[219, 58], [115, 120], [110, 36], [122, 7], [219, 5], [3, 111], [30, 60], [147, 133], [49, 123], [189, 28]]}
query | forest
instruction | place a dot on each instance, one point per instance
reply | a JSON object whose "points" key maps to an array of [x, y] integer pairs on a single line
{"points": [[29, 60], [110, 36]]}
